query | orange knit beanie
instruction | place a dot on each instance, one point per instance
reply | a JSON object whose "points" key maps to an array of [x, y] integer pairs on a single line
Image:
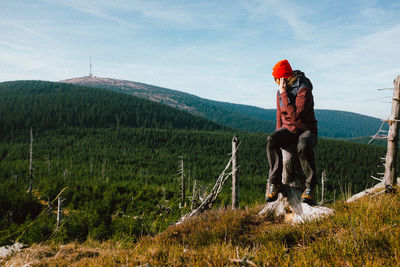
{"points": [[282, 69]]}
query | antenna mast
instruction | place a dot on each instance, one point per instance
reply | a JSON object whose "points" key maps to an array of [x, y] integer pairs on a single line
{"points": [[90, 68]]}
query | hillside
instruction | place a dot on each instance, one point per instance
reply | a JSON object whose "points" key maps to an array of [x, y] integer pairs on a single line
{"points": [[47, 105], [364, 233], [123, 182], [332, 123], [182, 101], [120, 177]]}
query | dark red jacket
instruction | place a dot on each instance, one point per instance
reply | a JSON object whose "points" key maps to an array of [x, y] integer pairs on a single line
{"points": [[295, 106]]}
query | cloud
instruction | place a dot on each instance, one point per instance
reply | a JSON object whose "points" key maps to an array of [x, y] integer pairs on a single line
{"points": [[96, 9], [161, 14], [21, 26], [216, 49], [12, 45], [347, 77], [365, 56], [288, 12]]}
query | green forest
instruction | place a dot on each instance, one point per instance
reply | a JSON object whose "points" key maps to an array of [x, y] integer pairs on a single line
{"points": [[331, 123], [116, 157]]}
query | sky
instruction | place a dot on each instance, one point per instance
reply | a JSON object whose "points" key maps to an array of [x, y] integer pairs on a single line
{"points": [[222, 50]]}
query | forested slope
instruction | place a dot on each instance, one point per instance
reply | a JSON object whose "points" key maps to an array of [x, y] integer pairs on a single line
{"points": [[331, 123], [183, 101], [124, 183], [47, 105], [120, 174]]}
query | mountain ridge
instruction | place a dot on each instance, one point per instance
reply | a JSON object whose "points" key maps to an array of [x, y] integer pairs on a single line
{"points": [[331, 123], [49, 105]]}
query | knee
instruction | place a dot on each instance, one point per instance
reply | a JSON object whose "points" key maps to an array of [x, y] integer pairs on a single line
{"points": [[270, 141], [303, 147], [273, 137]]}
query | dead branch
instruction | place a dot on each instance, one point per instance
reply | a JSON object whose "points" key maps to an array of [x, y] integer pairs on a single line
{"points": [[243, 262], [210, 199], [373, 177], [377, 133]]}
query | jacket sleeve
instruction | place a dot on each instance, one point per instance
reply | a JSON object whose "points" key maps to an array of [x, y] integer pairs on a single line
{"points": [[296, 110], [278, 113]]}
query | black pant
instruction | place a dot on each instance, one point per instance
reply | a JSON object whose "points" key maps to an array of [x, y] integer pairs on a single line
{"points": [[283, 138]]}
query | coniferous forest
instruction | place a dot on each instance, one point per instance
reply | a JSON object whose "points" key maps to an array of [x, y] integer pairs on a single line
{"points": [[115, 158], [331, 123]]}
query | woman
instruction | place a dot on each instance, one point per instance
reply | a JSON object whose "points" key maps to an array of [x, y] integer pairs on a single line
{"points": [[295, 124]]}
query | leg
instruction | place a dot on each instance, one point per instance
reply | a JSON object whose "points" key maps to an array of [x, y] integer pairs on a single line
{"points": [[281, 138], [305, 147]]}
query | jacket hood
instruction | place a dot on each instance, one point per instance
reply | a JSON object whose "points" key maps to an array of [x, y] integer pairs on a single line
{"points": [[298, 80]]}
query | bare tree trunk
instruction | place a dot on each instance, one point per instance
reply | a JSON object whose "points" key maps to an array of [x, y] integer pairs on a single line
{"points": [[292, 173], [323, 178], [393, 138], [10, 218], [183, 187], [48, 165], [194, 195], [235, 173], [59, 212], [91, 167], [103, 168], [188, 185], [334, 196], [50, 205], [31, 164]]}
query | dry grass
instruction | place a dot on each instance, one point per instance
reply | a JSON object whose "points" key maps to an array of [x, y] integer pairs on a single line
{"points": [[364, 233]]}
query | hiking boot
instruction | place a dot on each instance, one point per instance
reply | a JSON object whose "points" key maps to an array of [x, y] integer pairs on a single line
{"points": [[308, 196], [274, 190]]}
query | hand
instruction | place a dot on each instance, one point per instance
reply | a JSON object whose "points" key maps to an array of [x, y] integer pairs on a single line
{"points": [[282, 85]]}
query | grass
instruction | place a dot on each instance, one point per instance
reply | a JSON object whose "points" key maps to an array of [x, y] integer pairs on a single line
{"points": [[363, 233]]}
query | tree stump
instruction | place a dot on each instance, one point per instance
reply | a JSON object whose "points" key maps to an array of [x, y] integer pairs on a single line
{"points": [[289, 202]]}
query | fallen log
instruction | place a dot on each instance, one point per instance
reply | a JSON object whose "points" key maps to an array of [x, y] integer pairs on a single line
{"points": [[378, 188]]}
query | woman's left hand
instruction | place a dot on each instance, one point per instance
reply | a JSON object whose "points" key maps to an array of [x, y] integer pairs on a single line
{"points": [[282, 85]]}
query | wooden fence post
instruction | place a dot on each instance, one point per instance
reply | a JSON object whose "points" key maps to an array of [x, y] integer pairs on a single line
{"points": [[235, 174], [390, 177]]}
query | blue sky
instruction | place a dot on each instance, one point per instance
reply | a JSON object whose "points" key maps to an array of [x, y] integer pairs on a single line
{"points": [[220, 50]]}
